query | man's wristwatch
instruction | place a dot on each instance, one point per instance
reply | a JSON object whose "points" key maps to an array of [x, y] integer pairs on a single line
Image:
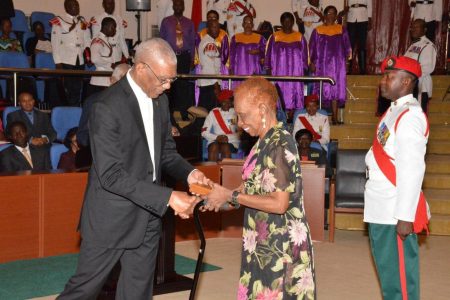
{"points": [[234, 201]]}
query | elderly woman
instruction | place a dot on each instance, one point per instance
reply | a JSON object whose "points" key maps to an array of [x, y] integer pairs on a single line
{"points": [[277, 258]]}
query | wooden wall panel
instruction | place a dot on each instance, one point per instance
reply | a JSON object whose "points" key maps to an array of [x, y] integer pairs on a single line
{"points": [[19, 217], [62, 198]]}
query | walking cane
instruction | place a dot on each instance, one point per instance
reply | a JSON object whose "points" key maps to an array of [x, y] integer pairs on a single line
{"points": [[201, 251]]}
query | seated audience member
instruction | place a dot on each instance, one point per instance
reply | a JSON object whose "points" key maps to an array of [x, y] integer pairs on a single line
{"points": [[102, 55], [38, 123], [83, 156], [7, 43], [39, 42], [67, 159], [220, 128], [315, 122], [212, 57], [22, 156], [303, 137]]}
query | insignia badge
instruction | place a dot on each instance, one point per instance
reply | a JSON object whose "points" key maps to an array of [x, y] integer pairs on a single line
{"points": [[383, 134], [390, 62]]}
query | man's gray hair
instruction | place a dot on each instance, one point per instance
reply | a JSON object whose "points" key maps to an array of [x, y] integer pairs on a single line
{"points": [[119, 72], [155, 49]]}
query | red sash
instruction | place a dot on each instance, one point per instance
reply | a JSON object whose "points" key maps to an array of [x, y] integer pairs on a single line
{"points": [[221, 122], [388, 168], [308, 126]]}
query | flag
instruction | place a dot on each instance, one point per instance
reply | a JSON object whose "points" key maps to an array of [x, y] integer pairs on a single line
{"points": [[196, 15]]}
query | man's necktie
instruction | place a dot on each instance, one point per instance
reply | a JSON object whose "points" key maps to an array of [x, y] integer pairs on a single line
{"points": [[27, 156], [179, 35]]}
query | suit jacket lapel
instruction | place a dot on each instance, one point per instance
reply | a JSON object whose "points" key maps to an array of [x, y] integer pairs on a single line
{"points": [[20, 158], [27, 121], [157, 132]]}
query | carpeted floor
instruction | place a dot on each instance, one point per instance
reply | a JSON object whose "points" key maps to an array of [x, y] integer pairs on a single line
{"points": [[25, 279]]}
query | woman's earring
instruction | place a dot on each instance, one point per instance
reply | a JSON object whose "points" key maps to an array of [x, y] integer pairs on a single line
{"points": [[264, 122]]}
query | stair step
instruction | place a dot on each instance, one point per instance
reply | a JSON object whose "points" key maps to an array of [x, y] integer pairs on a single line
{"points": [[439, 132], [439, 93], [439, 200], [360, 117], [439, 118], [440, 225], [350, 221], [352, 131], [355, 143], [363, 92], [361, 105], [438, 164], [440, 81], [436, 181], [363, 80], [443, 147], [438, 106]]}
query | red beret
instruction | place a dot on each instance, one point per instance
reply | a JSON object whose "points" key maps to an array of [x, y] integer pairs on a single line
{"points": [[311, 98], [224, 95], [402, 63]]}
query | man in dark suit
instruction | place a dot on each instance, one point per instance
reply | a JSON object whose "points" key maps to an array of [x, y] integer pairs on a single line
{"points": [[131, 143], [22, 156], [38, 123]]}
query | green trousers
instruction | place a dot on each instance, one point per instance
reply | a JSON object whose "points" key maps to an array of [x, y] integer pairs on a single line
{"points": [[383, 242]]}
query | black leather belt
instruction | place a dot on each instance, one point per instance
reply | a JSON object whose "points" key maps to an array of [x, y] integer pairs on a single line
{"points": [[424, 2], [180, 52], [358, 5]]}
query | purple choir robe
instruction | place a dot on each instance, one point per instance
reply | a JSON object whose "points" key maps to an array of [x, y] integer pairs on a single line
{"points": [[241, 61], [329, 49], [287, 55]]}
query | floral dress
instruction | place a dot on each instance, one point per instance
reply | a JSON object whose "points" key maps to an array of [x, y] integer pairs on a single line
{"points": [[277, 256]]}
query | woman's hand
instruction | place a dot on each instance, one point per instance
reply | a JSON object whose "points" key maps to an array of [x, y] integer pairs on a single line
{"points": [[217, 197]]}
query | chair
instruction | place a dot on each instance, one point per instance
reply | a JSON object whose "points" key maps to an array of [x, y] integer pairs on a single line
{"points": [[55, 154], [4, 146], [347, 188], [19, 21], [6, 111], [64, 118], [43, 17], [25, 37], [43, 61], [12, 60]]}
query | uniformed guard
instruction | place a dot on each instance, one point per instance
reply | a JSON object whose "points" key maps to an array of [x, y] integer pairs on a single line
{"points": [[359, 21], [395, 206], [424, 51], [237, 10], [430, 11], [70, 37], [120, 48], [308, 15]]}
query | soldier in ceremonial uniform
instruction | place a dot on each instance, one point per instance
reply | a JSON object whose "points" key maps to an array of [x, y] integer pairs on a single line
{"points": [[220, 128], [316, 123], [237, 10], [220, 6], [308, 15], [430, 11], [395, 207], [120, 48], [70, 36], [424, 51], [359, 21], [102, 55]]}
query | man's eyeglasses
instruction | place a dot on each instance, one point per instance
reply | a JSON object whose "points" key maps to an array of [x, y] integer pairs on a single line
{"points": [[161, 81]]}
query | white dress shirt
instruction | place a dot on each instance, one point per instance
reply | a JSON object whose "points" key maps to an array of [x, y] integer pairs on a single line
{"points": [[118, 41], [146, 107], [320, 124], [424, 52], [384, 202], [359, 14], [211, 128]]}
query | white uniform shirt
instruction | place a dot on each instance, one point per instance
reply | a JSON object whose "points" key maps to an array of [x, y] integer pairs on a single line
{"points": [[383, 202], [210, 61], [68, 45], [164, 9], [359, 14], [118, 41], [320, 124], [146, 108], [424, 52], [102, 57], [211, 128], [221, 6], [310, 19], [427, 11], [236, 16]]}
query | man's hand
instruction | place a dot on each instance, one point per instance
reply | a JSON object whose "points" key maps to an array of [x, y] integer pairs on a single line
{"points": [[217, 197], [38, 141], [182, 203], [404, 229], [197, 176]]}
